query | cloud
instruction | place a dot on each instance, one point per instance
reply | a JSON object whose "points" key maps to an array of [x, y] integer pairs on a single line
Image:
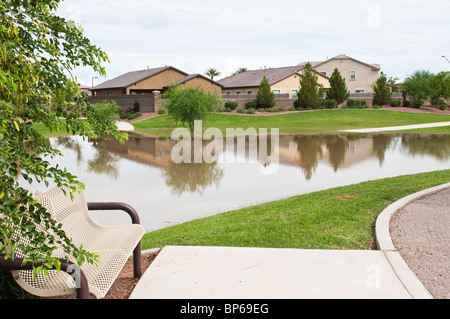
{"points": [[400, 35]]}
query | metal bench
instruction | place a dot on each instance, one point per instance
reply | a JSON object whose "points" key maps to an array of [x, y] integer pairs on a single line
{"points": [[113, 243]]}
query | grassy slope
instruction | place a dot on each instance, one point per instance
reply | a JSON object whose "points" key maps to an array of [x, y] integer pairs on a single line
{"points": [[313, 122], [340, 218]]}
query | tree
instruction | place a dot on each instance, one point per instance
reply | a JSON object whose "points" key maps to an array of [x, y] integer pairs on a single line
{"points": [[265, 98], [38, 53], [382, 94], [239, 71], [310, 93], [212, 73], [417, 87], [439, 87], [338, 89], [187, 105]]}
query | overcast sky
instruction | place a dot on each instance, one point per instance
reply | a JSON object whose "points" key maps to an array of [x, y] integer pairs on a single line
{"points": [[193, 35]]}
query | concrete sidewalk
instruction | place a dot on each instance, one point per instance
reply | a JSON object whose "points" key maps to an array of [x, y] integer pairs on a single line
{"points": [[264, 273], [398, 128]]}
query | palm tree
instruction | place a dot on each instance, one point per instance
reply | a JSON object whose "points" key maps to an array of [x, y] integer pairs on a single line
{"points": [[212, 73], [239, 71]]}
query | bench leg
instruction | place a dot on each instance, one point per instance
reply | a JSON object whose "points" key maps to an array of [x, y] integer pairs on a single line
{"points": [[137, 264]]}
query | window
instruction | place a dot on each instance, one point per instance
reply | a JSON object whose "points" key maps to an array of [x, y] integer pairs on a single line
{"points": [[360, 91], [276, 92], [294, 94], [228, 92], [324, 73], [238, 92], [352, 75], [249, 92]]}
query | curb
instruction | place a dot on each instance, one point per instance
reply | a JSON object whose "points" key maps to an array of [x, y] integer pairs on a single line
{"points": [[385, 244]]}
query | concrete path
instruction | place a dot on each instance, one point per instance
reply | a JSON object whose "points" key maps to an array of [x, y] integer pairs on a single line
{"points": [[262, 273], [124, 127], [398, 128]]}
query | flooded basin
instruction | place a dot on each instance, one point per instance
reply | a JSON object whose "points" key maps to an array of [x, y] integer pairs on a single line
{"points": [[143, 174]]}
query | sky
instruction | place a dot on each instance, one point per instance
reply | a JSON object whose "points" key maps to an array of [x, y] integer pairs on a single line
{"points": [[401, 35]]}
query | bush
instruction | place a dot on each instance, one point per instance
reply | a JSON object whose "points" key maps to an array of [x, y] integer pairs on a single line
{"points": [[291, 109], [376, 107], [356, 104], [406, 103], [252, 104], [330, 104], [418, 104], [136, 107], [227, 110], [394, 103], [232, 105], [251, 111], [240, 111]]}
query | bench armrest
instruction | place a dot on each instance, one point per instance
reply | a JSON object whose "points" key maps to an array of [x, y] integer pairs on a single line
{"points": [[116, 206], [70, 268], [137, 263]]}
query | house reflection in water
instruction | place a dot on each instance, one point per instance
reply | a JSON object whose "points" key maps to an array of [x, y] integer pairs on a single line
{"points": [[303, 151]]}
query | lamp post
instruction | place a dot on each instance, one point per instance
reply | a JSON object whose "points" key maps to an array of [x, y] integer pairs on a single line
{"points": [[94, 77], [446, 58]]}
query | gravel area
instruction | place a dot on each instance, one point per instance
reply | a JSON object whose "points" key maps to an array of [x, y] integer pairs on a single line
{"points": [[421, 233]]}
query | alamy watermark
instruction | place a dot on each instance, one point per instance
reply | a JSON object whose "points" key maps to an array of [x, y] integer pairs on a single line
{"points": [[232, 148]]}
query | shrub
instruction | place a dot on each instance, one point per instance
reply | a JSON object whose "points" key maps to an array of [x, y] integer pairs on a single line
{"points": [[376, 106], [394, 103], [252, 104], [418, 104], [136, 106], [232, 105], [356, 104], [251, 111], [291, 109], [240, 110], [406, 103], [330, 104], [227, 110]]}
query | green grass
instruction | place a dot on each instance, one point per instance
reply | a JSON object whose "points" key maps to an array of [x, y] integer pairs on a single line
{"points": [[312, 122], [339, 218]]}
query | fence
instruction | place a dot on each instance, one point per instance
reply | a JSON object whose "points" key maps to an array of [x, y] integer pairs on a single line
{"points": [[149, 102]]}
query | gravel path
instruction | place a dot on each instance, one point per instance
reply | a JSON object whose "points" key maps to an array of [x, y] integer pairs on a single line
{"points": [[421, 233]]}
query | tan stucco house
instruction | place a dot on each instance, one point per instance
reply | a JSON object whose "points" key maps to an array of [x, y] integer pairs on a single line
{"points": [[150, 80], [284, 80], [198, 80], [359, 76]]}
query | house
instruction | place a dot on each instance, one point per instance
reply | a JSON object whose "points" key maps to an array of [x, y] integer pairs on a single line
{"points": [[359, 76], [284, 80], [139, 82], [198, 80]]}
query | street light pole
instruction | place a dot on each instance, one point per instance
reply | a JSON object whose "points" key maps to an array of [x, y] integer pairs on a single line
{"points": [[94, 77], [446, 58]]}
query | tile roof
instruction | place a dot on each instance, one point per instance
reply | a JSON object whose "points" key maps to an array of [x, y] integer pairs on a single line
{"points": [[340, 57], [190, 77], [131, 78], [253, 78]]}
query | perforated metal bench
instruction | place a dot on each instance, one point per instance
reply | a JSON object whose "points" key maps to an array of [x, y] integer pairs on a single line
{"points": [[115, 244]]}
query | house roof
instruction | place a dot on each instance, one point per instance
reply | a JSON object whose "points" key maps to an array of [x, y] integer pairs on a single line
{"points": [[131, 78], [190, 77], [375, 67], [253, 78]]}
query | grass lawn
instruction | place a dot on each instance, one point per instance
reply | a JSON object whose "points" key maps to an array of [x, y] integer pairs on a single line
{"points": [[309, 122], [340, 218]]}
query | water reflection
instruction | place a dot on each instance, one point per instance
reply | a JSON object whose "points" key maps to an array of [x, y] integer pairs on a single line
{"points": [[141, 171], [306, 152]]}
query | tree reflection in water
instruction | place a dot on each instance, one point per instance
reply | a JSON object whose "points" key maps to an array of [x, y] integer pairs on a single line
{"points": [[192, 177]]}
